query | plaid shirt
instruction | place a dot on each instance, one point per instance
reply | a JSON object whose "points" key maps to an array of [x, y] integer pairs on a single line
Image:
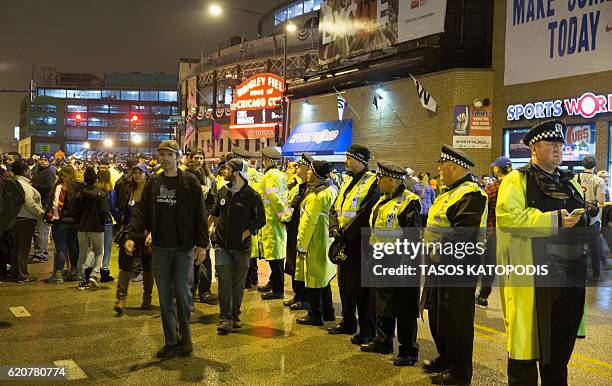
{"points": [[491, 191]]}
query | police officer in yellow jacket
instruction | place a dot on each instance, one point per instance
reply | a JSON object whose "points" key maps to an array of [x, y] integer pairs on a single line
{"points": [[459, 216], [291, 218], [256, 247], [397, 210], [313, 241], [534, 223], [273, 191], [351, 212]]}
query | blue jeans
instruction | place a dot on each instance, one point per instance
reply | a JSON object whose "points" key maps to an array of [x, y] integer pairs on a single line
{"points": [[41, 239], [232, 268], [65, 239], [108, 245], [173, 269]]}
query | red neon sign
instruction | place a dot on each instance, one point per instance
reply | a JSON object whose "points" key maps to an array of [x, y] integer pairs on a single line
{"points": [[256, 107]]}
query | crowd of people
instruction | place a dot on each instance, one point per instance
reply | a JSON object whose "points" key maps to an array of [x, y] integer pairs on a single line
{"points": [[173, 214]]}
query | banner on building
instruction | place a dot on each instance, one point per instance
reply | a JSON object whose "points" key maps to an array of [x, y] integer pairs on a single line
{"points": [[256, 109], [554, 39], [352, 28], [472, 126], [192, 104]]}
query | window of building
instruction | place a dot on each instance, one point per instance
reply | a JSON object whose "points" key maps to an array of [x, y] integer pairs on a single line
{"points": [[140, 109], [149, 96], [174, 110], [220, 145], [257, 144], [119, 109], [229, 95], [317, 5], [161, 110], [308, 6], [280, 16], [76, 108], [229, 145], [168, 96], [83, 94], [46, 108], [100, 109], [295, 10], [73, 148], [246, 144], [55, 93], [97, 122], [111, 94], [94, 134], [129, 95], [75, 133]]}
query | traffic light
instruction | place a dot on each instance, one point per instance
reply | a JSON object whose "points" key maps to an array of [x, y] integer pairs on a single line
{"points": [[134, 119], [78, 118]]}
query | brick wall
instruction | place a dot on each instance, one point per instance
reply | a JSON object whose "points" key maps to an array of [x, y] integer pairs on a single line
{"points": [[402, 130]]}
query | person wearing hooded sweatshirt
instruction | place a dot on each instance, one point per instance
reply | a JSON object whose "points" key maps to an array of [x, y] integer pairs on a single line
{"points": [[31, 211], [93, 212]]}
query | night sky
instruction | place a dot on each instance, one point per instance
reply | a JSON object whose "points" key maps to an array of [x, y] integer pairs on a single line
{"points": [[108, 36]]}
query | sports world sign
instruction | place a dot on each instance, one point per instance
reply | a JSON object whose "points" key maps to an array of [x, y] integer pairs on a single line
{"points": [[588, 105], [256, 109]]}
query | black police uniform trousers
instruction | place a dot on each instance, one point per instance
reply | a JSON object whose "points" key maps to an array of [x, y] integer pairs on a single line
{"points": [[277, 276], [351, 302], [406, 333], [566, 313], [455, 353], [252, 278], [299, 289], [320, 301]]}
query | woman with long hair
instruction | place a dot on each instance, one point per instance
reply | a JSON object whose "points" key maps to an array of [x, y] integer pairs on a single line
{"points": [[62, 216], [131, 195], [104, 183]]}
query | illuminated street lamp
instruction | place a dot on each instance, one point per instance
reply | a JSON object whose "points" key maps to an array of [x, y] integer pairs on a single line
{"points": [[108, 142], [137, 139], [86, 145], [215, 9]]}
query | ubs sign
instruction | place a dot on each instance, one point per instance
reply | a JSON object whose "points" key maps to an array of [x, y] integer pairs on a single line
{"points": [[587, 106]]}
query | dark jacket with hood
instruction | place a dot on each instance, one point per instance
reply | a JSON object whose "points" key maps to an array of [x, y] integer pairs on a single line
{"points": [[92, 209]]}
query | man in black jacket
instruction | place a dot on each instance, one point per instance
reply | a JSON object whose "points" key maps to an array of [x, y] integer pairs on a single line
{"points": [[173, 209], [43, 181], [237, 215]]}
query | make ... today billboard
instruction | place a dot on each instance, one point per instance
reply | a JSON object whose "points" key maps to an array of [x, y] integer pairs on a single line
{"points": [[548, 39]]}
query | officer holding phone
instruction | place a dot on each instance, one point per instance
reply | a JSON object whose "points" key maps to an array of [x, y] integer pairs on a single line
{"points": [[540, 210]]}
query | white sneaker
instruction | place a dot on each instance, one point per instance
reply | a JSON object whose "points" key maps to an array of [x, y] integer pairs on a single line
{"points": [[94, 282]]}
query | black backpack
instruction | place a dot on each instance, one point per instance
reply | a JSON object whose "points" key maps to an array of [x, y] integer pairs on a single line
{"points": [[13, 198]]}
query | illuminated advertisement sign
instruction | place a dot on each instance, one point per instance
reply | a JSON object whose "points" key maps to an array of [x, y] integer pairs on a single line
{"points": [[256, 108], [587, 106], [580, 142]]}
